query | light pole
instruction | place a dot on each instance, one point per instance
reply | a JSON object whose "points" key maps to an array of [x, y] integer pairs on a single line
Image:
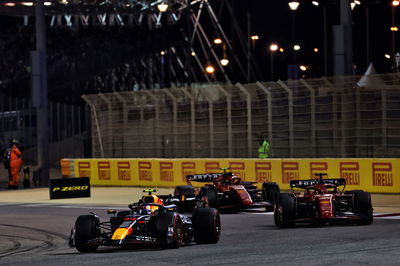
{"points": [[224, 61], [253, 38], [395, 3], [316, 3], [273, 48], [293, 68], [342, 36], [294, 5], [248, 48]]}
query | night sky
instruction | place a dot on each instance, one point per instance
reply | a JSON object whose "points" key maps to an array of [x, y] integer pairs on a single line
{"points": [[272, 20]]}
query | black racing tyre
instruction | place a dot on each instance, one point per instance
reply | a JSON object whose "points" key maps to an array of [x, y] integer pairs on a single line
{"points": [[164, 221], [212, 196], [87, 227], [206, 225], [363, 207], [270, 191], [285, 210], [184, 190]]}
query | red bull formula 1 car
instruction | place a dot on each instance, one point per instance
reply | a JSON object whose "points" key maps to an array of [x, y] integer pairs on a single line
{"points": [[226, 191], [322, 201], [148, 221]]}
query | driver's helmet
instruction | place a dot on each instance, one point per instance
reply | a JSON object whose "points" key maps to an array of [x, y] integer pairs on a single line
{"points": [[236, 180], [152, 199], [148, 209]]}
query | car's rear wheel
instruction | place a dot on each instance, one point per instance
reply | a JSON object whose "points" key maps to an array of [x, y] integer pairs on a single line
{"points": [[270, 191], [363, 207], [206, 225], [170, 230], [87, 227], [210, 193], [285, 211]]}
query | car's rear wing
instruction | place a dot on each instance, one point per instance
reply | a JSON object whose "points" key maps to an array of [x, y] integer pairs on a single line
{"points": [[203, 177], [311, 182]]}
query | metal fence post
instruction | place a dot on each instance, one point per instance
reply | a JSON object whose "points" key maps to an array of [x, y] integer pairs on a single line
{"points": [[72, 120], [124, 120], [192, 120], [269, 112], [65, 121], [343, 111], [313, 123], [110, 152], [174, 119], [211, 138], [290, 103], [249, 122], [335, 122], [156, 145], [358, 122], [96, 122], [229, 118], [384, 120]]}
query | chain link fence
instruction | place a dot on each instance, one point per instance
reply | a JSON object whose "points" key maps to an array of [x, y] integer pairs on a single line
{"points": [[67, 125], [350, 116]]}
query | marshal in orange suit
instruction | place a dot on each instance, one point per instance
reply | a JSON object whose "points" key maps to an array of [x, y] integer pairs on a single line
{"points": [[15, 164]]}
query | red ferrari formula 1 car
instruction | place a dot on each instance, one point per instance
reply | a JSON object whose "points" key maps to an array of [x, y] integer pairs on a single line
{"points": [[148, 221], [226, 191], [322, 201]]}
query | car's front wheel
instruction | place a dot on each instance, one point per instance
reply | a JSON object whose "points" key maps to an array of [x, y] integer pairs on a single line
{"points": [[270, 192], [285, 210], [206, 225], [211, 196], [363, 207], [170, 230], [87, 227]]}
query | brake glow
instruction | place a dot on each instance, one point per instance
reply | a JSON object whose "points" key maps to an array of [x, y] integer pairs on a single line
{"points": [[130, 219]]}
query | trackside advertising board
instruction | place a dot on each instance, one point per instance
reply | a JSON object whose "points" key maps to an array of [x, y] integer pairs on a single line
{"points": [[373, 175], [65, 188]]}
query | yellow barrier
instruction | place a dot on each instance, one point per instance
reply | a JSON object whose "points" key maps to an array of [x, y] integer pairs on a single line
{"points": [[373, 175]]}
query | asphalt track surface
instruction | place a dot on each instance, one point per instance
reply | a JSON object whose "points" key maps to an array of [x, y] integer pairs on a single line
{"points": [[36, 234]]}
